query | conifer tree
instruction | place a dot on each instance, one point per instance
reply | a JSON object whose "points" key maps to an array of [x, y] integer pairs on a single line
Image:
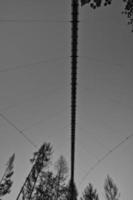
{"points": [[6, 181], [90, 193], [43, 183], [61, 176], [45, 188], [53, 186], [40, 161], [111, 190]]}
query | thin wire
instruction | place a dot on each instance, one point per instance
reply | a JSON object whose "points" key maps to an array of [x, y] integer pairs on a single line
{"points": [[101, 20], [32, 21], [105, 156], [56, 90], [31, 64], [34, 124], [6, 108], [96, 140], [93, 59], [43, 121], [20, 131]]}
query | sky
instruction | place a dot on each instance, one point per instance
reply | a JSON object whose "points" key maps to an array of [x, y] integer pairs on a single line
{"points": [[35, 69]]}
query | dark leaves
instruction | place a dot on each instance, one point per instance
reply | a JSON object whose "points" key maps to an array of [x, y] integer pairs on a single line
{"points": [[90, 193], [6, 182], [128, 9], [111, 190]]}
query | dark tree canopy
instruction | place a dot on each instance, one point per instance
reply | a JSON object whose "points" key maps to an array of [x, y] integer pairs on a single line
{"points": [[6, 181], [128, 8], [43, 182], [111, 190], [41, 160], [90, 193]]}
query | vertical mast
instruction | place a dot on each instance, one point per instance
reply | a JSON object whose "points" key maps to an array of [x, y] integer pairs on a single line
{"points": [[74, 43]]}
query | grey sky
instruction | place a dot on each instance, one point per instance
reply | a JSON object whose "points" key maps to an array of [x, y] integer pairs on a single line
{"points": [[35, 88]]}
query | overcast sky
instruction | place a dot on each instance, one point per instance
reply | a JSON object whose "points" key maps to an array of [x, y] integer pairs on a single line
{"points": [[35, 89]]}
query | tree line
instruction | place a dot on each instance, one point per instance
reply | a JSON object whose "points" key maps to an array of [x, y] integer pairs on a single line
{"points": [[48, 181]]}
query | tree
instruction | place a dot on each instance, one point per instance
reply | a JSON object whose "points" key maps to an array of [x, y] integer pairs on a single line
{"points": [[52, 186], [90, 193], [61, 168], [45, 189], [61, 176], [111, 190], [42, 183], [128, 8], [6, 182], [41, 160]]}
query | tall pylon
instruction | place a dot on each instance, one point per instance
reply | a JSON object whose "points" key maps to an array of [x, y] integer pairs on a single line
{"points": [[74, 55]]}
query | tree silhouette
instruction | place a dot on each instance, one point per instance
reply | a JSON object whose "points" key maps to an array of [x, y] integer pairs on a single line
{"points": [[61, 168], [43, 182], [52, 186], [45, 189], [61, 176], [6, 182], [111, 190], [128, 8], [40, 161], [90, 193]]}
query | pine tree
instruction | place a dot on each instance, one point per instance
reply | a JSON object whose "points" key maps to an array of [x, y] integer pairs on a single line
{"points": [[42, 183], [41, 160], [52, 186], [61, 176], [90, 193], [111, 190], [45, 188], [6, 182]]}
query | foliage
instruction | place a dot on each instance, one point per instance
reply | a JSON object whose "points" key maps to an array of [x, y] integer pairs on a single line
{"points": [[45, 184], [90, 193], [128, 11], [45, 188], [128, 8], [111, 190], [60, 177], [6, 182], [40, 161], [61, 170], [52, 186]]}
